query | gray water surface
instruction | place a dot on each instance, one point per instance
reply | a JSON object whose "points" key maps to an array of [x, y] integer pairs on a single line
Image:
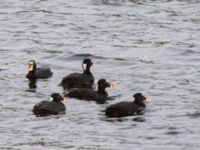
{"points": [[148, 46]]}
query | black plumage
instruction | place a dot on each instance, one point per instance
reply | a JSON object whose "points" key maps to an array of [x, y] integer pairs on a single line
{"points": [[53, 107], [123, 109], [100, 96], [37, 73], [79, 80]]}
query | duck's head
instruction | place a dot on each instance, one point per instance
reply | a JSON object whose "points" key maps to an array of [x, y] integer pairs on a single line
{"points": [[56, 97], [140, 98], [103, 83], [87, 63], [32, 66]]}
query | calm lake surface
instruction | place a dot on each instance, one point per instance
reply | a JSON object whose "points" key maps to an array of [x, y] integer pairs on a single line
{"points": [[148, 46]]}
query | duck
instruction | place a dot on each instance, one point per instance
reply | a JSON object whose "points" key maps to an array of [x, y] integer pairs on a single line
{"points": [[100, 95], [123, 109], [37, 73], [79, 80], [54, 107]]}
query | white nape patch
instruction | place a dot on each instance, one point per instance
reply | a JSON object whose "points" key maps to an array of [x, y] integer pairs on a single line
{"points": [[51, 98], [84, 67], [31, 62]]}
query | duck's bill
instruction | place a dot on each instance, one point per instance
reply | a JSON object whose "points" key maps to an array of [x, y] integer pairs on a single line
{"points": [[113, 86], [147, 98], [30, 68], [65, 98]]}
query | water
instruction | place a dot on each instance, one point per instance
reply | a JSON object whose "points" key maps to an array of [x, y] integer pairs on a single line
{"points": [[141, 45]]}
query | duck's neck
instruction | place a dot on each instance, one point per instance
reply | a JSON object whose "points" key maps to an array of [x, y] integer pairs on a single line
{"points": [[101, 90], [57, 101], [140, 104], [87, 71], [31, 74]]}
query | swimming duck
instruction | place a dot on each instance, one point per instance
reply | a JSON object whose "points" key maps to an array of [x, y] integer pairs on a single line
{"points": [[79, 80], [123, 109], [37, 73], [53, 107], [100, 96]]}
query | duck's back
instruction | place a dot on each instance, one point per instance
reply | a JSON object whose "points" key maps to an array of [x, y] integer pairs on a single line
{"points": [[77, 80], [49, 108], [43, 73], [87, 94], [122, 109]]}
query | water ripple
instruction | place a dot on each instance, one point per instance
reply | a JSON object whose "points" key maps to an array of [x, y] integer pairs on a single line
{"points": [[147, 46]]}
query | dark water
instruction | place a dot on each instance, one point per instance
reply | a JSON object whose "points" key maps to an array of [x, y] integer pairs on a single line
{"points": [[148, 46]]}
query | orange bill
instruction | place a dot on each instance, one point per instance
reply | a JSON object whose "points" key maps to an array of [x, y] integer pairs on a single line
{"points": [[65, 98], [30, 68], [147, 98], [113, 86]]}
